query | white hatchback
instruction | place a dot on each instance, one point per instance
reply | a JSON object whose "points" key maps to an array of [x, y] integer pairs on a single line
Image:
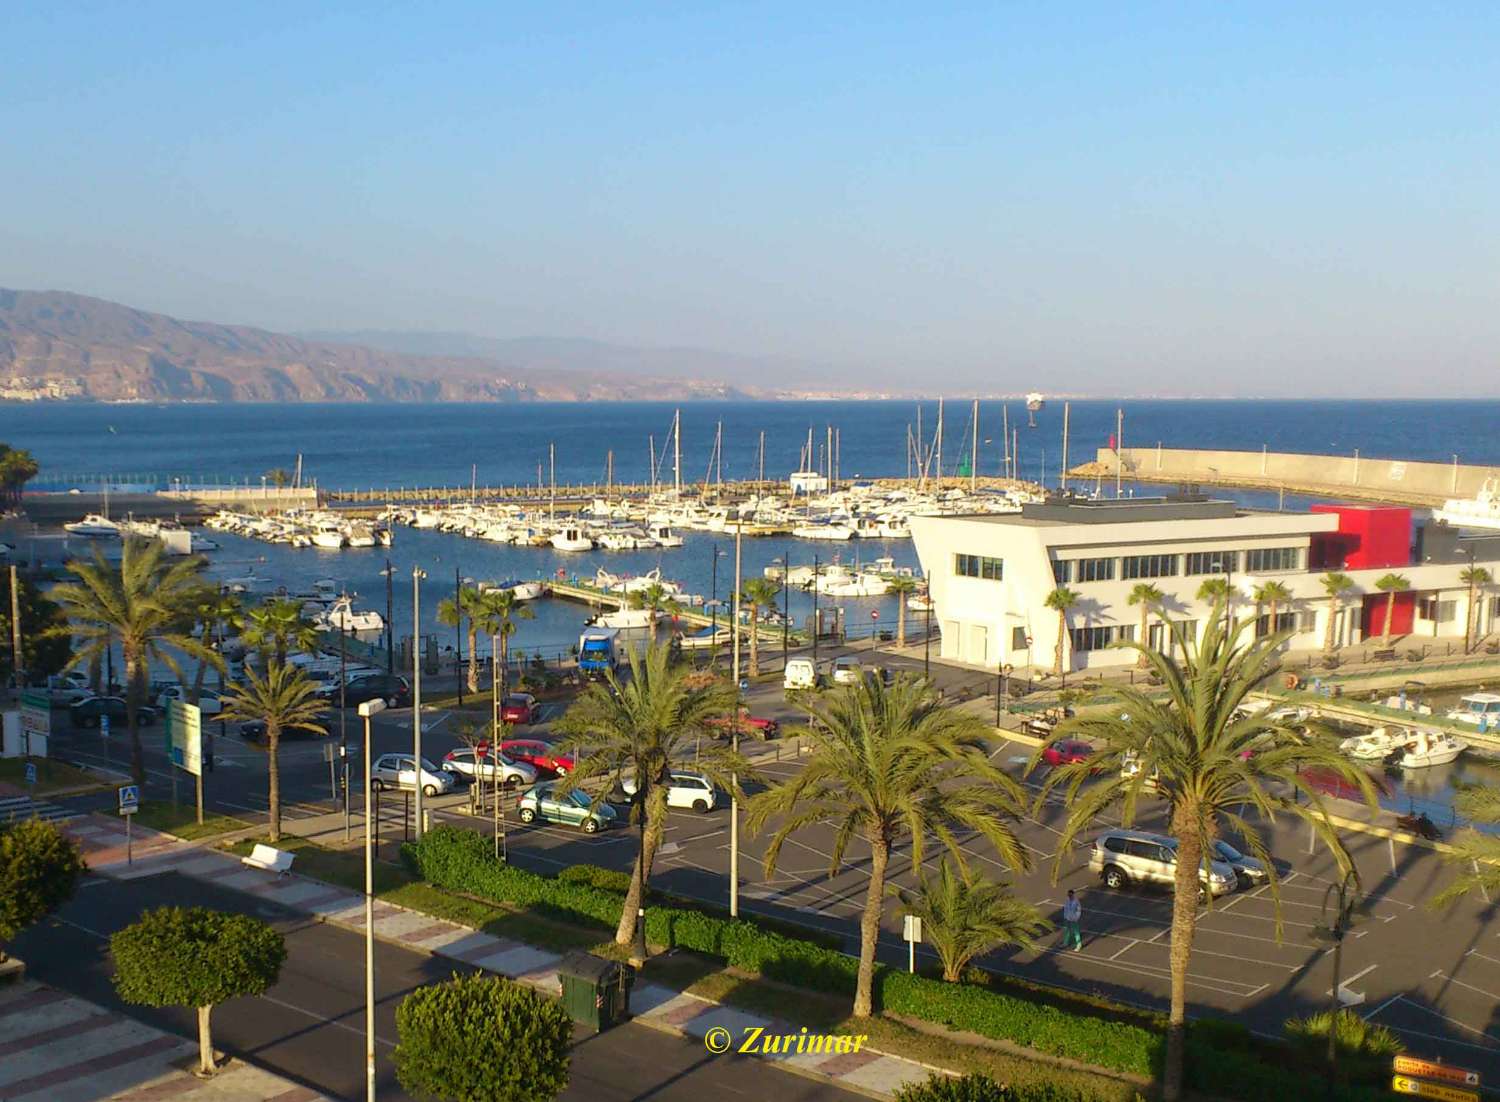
{"points": [[693, 791], [208, 703], [396, 771], [847, 670]]}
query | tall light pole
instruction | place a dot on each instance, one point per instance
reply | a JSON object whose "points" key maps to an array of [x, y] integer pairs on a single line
{"points": [[734, 728], [367, 710], [786, 602], [417, 574], [458, 634], [390, 626]]}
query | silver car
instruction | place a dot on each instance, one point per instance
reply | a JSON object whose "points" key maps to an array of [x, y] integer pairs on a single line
{"points": [[461, 761], [397, 771], [1124, 857]]}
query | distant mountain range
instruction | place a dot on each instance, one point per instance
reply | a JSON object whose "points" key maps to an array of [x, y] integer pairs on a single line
{"points": [[61, 346]]}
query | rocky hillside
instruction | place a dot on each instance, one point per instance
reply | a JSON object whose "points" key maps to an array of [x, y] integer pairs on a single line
{"points": [[58, 345]]}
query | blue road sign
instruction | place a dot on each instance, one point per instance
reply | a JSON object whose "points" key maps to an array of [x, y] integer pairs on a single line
{"points": [[31, 772], [104, 726], [130, 799]]}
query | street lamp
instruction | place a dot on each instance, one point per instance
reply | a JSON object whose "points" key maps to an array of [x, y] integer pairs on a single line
{"points": [[390, 628], [367, 710], [1340, 902], [417, 574]]}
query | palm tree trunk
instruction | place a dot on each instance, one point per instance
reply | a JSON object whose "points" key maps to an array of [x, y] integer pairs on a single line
{"points": [[1469, 621], [1333, 616], [1062, 633], [656, 814], [901, 619], [473, 659], [869, 927], [1184, 925], [1272, 625], [273, 746], [94, 675], [754, 641], [205, 1042], [1390, 610], [133, 715], [504, 661], [1145, 633]]}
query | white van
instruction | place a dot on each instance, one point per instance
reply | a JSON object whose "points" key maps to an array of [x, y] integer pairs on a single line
{"points": [[800, 674]]}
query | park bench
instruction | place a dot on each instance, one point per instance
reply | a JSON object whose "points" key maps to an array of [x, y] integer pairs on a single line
{"points": [[269, 858], [1387, 655]]}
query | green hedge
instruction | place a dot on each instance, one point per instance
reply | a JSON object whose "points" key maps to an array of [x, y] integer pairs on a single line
{"points": [[982, 1088]]}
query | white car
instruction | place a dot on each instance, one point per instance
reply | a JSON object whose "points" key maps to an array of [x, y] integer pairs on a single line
{"points": [[848, 670], [396, 771], [208, 704], [461, 761], [68, 688], [800, 674], [693, 791]]}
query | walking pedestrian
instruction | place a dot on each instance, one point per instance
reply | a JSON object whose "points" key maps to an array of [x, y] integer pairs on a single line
{"points": [[1072, 916]]}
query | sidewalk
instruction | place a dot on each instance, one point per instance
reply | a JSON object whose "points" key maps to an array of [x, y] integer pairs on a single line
{"points": [[103, 840], [58, 1048]]}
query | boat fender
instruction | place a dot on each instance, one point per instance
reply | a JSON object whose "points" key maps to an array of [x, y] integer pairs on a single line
{"points": [[1292, 681]]}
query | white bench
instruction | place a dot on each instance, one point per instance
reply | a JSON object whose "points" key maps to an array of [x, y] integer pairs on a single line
{"points": [[269, 858]]}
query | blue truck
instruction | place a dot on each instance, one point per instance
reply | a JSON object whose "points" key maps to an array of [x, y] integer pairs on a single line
{"points": [[598, 650]]}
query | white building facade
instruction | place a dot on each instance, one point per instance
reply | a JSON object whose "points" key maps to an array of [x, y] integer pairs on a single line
{"points": [[990, 576]]}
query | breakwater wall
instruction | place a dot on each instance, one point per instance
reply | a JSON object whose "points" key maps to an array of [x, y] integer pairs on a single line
{"points": [[1356, 476]]}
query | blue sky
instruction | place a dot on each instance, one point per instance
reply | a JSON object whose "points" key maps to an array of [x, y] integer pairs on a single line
{"points": [[1224, 199]]}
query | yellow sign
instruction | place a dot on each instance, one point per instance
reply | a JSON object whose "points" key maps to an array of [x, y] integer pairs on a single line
{"points": [[1402, 1084], [1426, 1069]]}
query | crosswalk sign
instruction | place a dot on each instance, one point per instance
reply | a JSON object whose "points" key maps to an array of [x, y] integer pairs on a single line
{"points": [[130, 799], [31, 772]]}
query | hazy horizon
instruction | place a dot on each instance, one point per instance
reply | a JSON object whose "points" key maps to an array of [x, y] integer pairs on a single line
{"points": [[1264, 202]]}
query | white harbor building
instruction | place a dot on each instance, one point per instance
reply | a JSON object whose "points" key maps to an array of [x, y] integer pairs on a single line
{"points": [[990, 575]]}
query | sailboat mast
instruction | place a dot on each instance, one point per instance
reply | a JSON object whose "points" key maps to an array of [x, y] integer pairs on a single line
{"points": [[552, 475], [974, 452], [762, 456], [1119, 448], [1005, 438], [719, 456], [609, 471], [651, 474], [677, 451], [1062, 474], [938, 445]]}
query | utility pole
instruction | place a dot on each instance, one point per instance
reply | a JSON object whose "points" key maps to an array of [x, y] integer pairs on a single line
{"points": [[734, 728], [458, 634], [417, 574], [18, 661], [390, 625]]}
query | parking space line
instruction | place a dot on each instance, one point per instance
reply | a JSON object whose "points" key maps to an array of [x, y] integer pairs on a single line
{"points": [[1469, 986], [1130, 943], [1451, 1021]]}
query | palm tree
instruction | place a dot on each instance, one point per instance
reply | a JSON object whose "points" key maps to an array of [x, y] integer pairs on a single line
{"points": [[639, 728], [758, 594], [656, 598], [461, 610], [1270, 594], [496, 613], [903, 587], [142, 603], [1148, 597], [964, 917], [17, 467], [215, 610], [1476, 578], [1390, 585], [1473, 854], [1335, 585], [279, 477], [1060, 600], [283, 698], [1192, 746], [277, 628], [891, 764]]}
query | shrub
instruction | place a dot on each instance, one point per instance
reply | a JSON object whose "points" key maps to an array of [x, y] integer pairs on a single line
{"points": [[610, 880], [39, 869], [1220, 1033], [981, 1088], [482, 1037], [1353, 1036]]}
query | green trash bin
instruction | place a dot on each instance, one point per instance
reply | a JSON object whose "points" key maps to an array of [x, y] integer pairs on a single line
{"points": [[595, 991]]}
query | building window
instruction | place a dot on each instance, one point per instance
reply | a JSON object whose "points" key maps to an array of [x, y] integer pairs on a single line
{"points": [[1285, 621], [1263, 560], [1062, 571], [1095, 638], [1307, 621], [1442, 612], [1018, 640], [1212, 562], [1096, 570], [979, 566], [1125, 633], [1148, 566]]}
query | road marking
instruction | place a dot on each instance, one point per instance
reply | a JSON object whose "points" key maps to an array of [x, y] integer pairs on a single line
{"points": [[1131, 943], [326, 1020], [1468, 986], [1382, 1006]]}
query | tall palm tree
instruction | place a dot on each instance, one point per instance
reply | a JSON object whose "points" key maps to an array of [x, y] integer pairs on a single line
{"points": [[1476, 578], [886, 765], [758, 594], [282, 698], [215, 610], [1060, 600], [964, 917], [638, 727], [1272, 595], [656, 598], [1390, 585], [902, 587], [1335, 584], [1148, 597], [17, 467], [142, 604], [1193, 747], [278, 628], [496, 613], [462, 610]]}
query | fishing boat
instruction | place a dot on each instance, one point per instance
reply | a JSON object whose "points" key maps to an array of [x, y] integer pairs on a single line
{"points": [[1430, 748], [1377, 744], [572, 539], [342, 617]]}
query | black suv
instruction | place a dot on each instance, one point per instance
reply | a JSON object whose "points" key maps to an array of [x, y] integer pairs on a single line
{"points": [[86, 713], [371, 686]]}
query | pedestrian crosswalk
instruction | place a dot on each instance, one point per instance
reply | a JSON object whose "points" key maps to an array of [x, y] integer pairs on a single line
{"points": [[14, 808]]}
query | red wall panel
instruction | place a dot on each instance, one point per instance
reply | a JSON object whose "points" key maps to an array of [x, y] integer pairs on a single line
{"points": [[1369, 537]]}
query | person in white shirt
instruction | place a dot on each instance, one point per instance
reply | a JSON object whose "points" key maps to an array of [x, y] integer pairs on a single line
{"points": [[1072, 914]]}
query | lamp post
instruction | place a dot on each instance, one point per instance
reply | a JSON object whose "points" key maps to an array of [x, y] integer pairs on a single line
{"points": [[343, 718], [927, 635], [417, 574], [1340, 901], [390, 627], [815, 618], [786, 603], [458, 635], [734, 734], [367, 710]]}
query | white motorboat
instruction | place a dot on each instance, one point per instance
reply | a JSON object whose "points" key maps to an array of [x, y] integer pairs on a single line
{"points": [[920, 602], [361, 535], [627, 618], [572, 539], [707, 639], [521, 591], [1480, 511], [329, 537], [246, 583], [664, 536], [857, 585], [1377, 744], [342, 617], [1480, 709], [94, 526], [823, 532], [1430, 748], [894, 528]]}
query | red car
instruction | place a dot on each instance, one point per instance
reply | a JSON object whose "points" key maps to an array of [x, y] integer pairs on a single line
{"points": [[520, 708], [536, 753], [749, 726], [1067, 752]]}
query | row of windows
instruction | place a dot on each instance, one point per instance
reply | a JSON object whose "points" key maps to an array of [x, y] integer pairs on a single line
{"points": [[1257, 561], [979, 566], [1104, 635]]}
